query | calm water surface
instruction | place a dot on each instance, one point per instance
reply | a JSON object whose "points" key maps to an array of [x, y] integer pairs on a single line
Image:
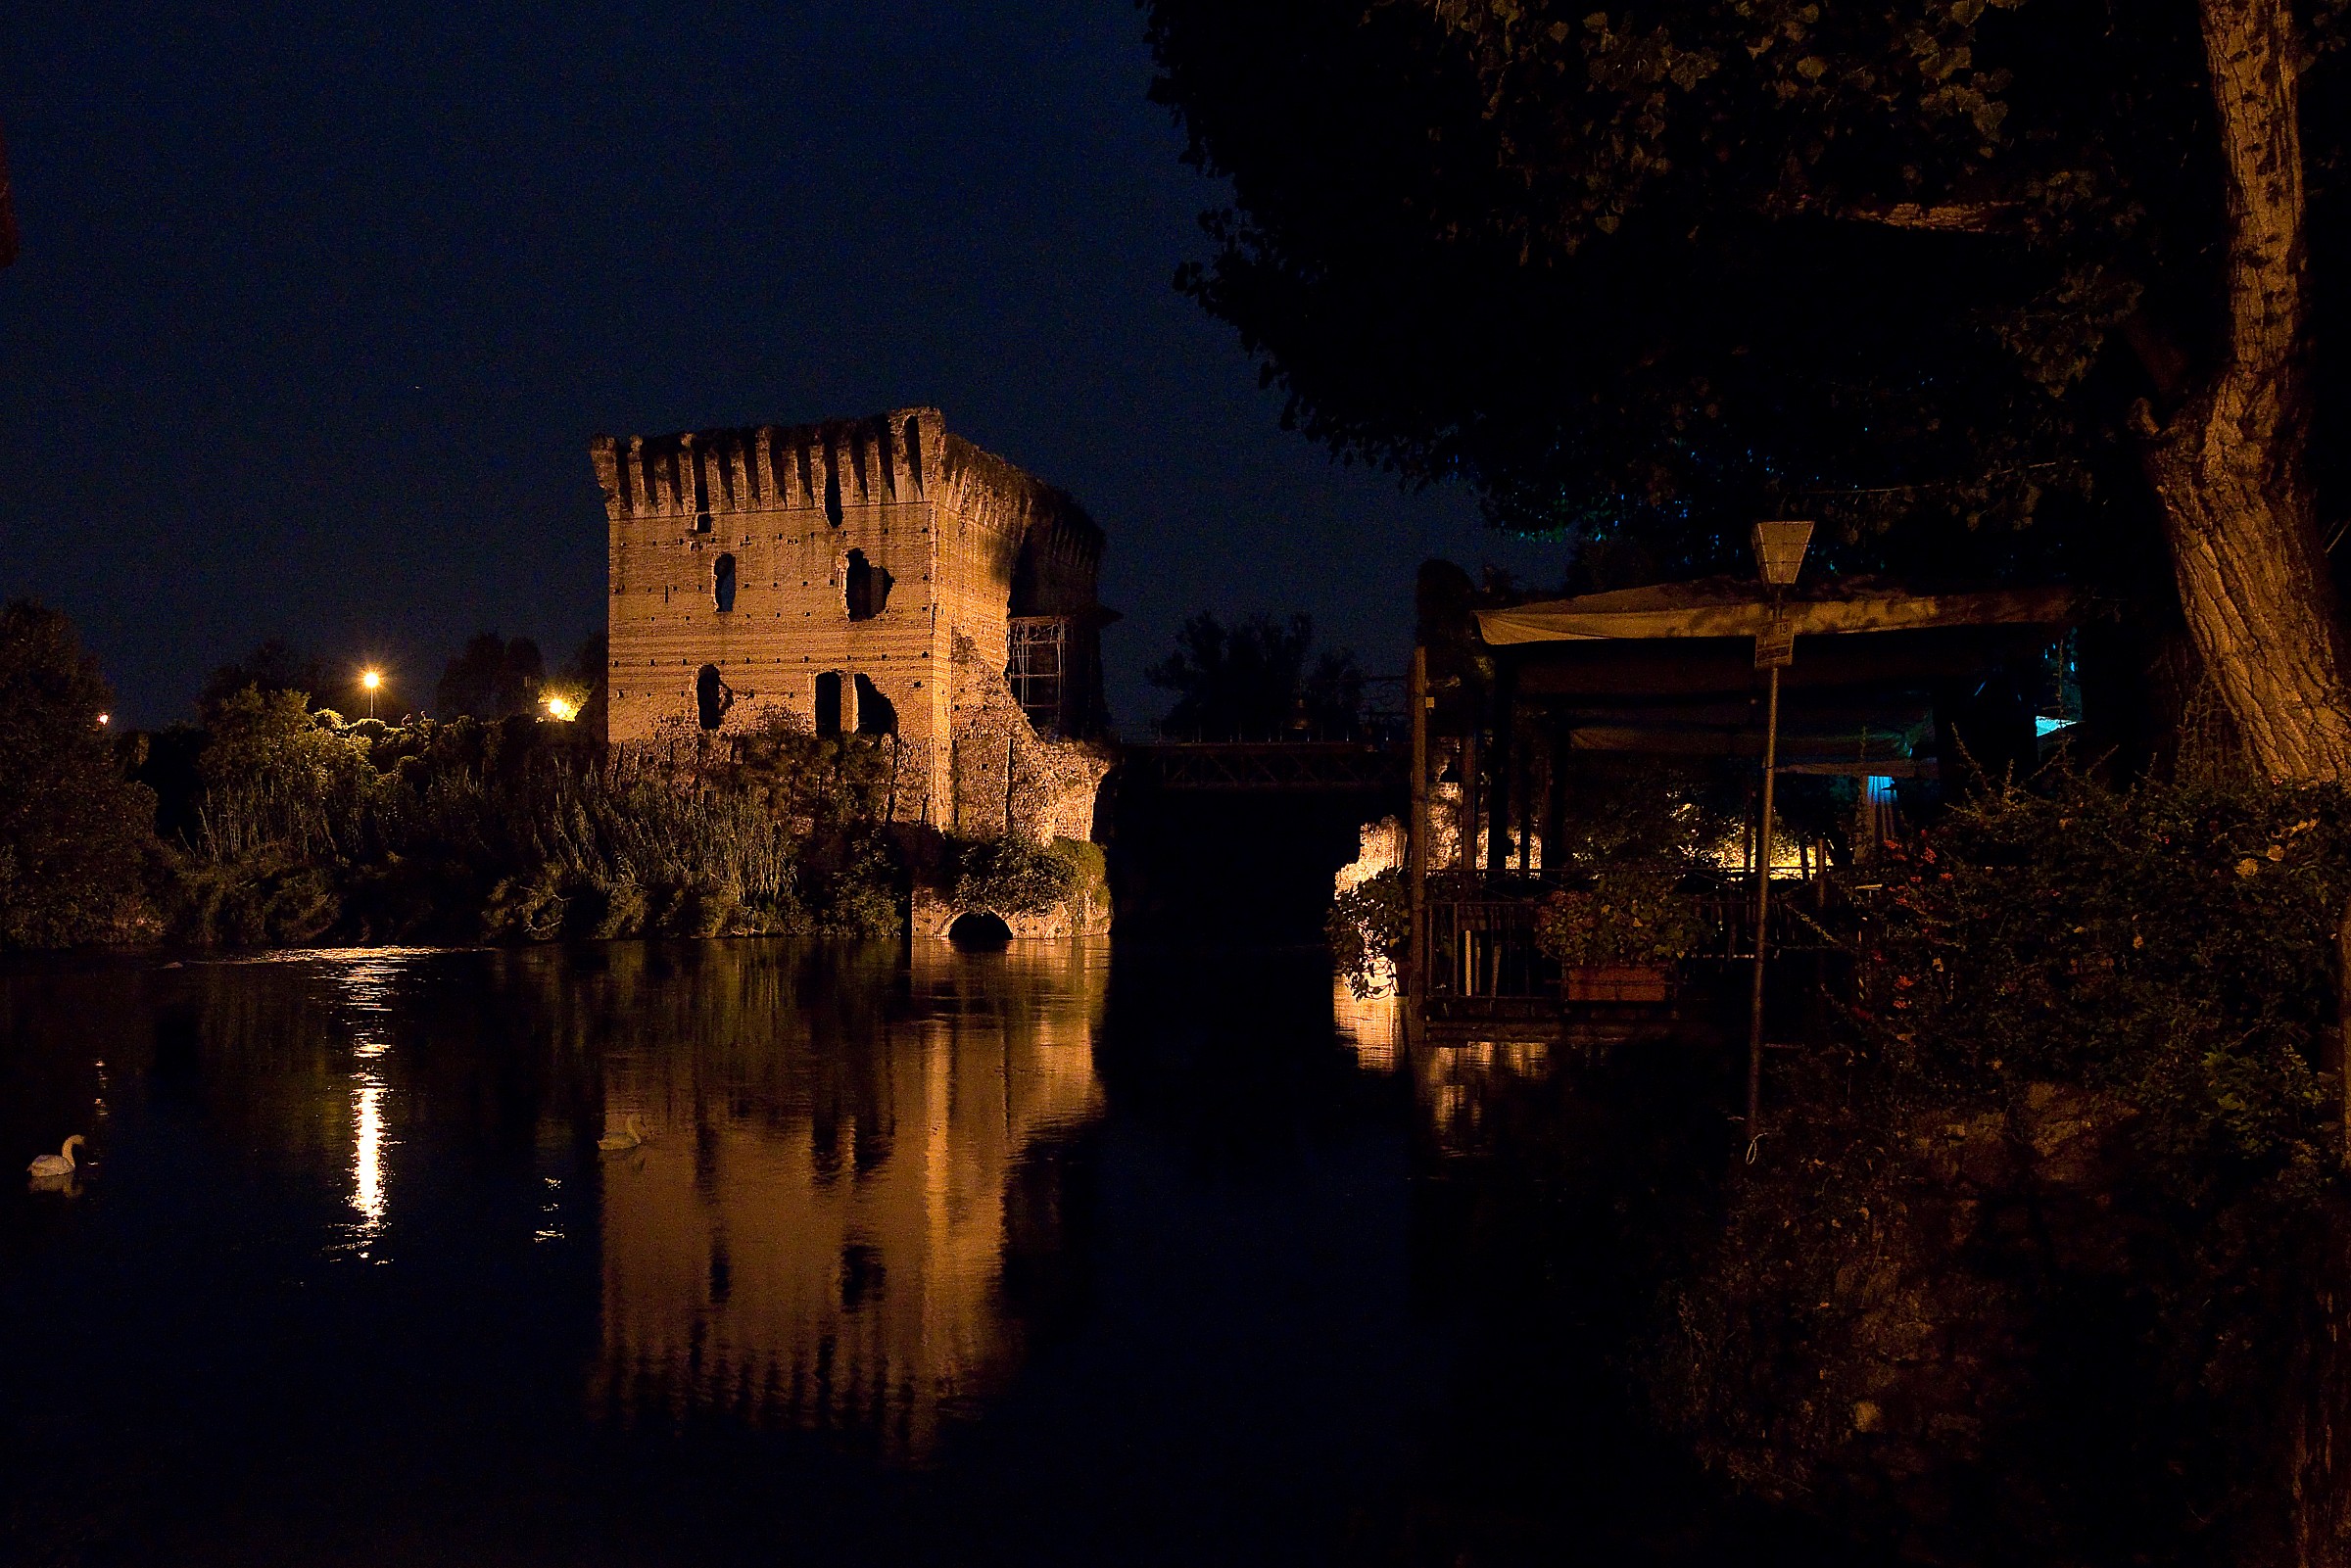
{"points": [[1046, 1257]]}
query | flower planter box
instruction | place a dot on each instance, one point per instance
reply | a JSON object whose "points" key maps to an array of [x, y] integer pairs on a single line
{"points": [[1615, 983]]}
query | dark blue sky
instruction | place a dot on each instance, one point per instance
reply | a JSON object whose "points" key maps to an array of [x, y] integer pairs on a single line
{"points": [[319, 303]]}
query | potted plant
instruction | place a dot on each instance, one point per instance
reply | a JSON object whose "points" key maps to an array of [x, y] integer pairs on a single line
{"points": [[1621, 941]]}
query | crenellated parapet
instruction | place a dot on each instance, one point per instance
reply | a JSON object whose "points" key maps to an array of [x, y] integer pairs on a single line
{"points": [[990, 494], [885, 459]]}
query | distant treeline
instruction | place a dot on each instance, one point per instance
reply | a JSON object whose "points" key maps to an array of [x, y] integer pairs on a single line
{"points": [[270, 822]]}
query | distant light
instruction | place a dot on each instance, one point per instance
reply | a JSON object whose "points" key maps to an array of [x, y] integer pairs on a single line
{"points": [[562, 708], [370, 680], [105, 719]]}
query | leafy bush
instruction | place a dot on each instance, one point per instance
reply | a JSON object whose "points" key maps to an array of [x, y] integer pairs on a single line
{"points": [[2171, 945], [1011, 876], [1639, 811], [511, 831], [1629, 917], [1369, 925], [2081, 1136]]}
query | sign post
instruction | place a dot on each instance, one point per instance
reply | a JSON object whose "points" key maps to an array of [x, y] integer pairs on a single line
{"points": [[1780, 557]]}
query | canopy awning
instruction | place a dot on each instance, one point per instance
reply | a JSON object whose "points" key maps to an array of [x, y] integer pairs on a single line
{"points": [[1730, 606]]}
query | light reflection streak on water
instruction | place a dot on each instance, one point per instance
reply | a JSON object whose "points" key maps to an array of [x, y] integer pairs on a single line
{"points": [[1372, 1027], [366, 987]]}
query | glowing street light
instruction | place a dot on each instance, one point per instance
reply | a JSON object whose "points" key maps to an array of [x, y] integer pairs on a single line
{"points": [[562, 708], [105, 719], [371, 679]]}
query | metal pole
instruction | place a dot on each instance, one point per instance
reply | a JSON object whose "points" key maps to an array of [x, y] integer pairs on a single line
{"points": [[1416, 833], [1754, 1012]]}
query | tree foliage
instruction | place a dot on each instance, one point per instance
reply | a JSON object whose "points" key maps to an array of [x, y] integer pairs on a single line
{"points": [[274, 665], [1671, 264], [74, 832], [1253, 681], [491, 678]]}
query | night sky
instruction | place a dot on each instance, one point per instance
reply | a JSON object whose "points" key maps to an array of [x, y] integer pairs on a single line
{"points": [[319, 304]]}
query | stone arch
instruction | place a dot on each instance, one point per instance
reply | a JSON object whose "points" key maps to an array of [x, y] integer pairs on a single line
{"points": [[979, 929]]}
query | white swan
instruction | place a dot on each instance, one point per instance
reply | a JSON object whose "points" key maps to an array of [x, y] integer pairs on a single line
{"points": [[46, 1167], [614, 1143]]}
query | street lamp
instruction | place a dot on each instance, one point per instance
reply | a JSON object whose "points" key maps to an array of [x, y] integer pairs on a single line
{"points": [[1779, 557], [370, 680], [562, 708]]}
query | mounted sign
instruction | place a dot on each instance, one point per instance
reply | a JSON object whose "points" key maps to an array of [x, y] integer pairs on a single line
{"points": [[1775, 645]]}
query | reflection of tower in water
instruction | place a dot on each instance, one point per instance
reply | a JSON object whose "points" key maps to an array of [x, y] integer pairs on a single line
{"points": [[816, 1235]]}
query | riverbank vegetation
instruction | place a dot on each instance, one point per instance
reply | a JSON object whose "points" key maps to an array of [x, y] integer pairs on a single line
{"points": [[2034, 1262], [272, 821]]}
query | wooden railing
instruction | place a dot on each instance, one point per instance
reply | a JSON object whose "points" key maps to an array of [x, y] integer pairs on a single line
{"points": [[1484, 947]]}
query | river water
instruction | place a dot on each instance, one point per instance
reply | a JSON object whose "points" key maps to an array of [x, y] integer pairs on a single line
{"points": [[1055, 1255]]}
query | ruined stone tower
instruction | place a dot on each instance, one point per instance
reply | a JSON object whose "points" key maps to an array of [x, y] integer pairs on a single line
{"points": [[878, 576]]}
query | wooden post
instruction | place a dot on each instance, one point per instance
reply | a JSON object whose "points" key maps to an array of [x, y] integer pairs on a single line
{"points": [[1498, 796], [1468, 856], [1524, 795], [1555, 800], [1754, 1012], [1417, 834]]}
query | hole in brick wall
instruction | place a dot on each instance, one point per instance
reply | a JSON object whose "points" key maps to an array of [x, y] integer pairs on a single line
{"points": [[914, 450], [722, 583], [711, 697], [827, 703], [866, 588], [701, 522], [701, 482], [876, 714], [832, 491]]}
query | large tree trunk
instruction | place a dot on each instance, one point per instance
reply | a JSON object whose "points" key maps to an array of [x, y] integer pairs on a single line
{"points": [[2229, 466]]}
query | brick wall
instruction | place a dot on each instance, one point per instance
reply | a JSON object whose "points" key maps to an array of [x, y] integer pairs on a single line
{"points": [[946, 525]]}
